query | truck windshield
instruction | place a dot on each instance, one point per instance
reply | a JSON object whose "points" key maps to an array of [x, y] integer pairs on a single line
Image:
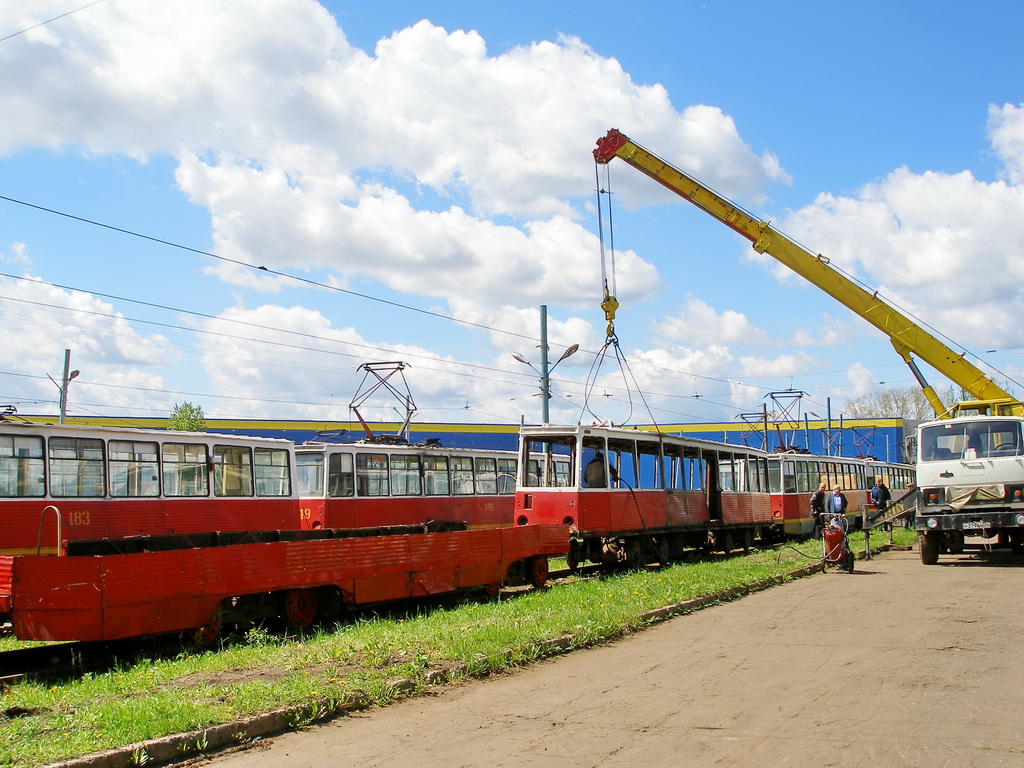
{"points": [[970, 439]]}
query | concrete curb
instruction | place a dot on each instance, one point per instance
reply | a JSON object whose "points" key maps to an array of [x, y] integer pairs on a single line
{"points": [[238, 733]]}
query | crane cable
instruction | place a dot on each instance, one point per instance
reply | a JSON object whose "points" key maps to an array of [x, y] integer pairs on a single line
{"points": [[610, 304]]}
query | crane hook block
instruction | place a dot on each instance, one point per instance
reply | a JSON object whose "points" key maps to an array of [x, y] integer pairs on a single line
{"points": [[609, 305]]}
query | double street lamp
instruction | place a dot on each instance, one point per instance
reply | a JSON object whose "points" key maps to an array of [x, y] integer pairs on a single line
{"points": [[545, 369]]}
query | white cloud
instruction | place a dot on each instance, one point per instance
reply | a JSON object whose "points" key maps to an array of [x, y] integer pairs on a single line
{"points": [[699, 324], [948, 248], [310, 153], [1006, 132], [40, 321]]}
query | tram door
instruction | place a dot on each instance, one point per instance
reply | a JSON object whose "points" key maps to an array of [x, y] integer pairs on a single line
{"points": [[713, 486]]}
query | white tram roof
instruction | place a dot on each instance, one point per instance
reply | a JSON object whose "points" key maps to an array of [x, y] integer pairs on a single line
{"points": [[324, 446], [12, 426], [537, 431]]}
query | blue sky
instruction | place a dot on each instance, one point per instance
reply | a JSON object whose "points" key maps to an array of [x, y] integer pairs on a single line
{"points": [[436, 164]]}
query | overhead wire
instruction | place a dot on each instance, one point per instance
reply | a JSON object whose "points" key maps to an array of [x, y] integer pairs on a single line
{"points": [[48, 21], [608, 282]]}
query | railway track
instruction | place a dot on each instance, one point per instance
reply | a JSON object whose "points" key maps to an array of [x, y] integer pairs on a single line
{"points": [[73, 659]]}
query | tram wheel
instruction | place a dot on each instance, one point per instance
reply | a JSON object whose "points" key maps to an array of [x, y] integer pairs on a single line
{"points": [[209, 633], [574, 556], [299, 608], [634, 554], [663, 551], [539, 572], [492, 589], [748, 539]]}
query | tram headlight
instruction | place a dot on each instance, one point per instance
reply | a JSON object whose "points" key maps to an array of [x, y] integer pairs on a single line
{"points": [[932, 522]]}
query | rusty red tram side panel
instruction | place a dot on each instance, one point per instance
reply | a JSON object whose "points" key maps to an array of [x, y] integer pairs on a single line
{"points": [[109, 597]]}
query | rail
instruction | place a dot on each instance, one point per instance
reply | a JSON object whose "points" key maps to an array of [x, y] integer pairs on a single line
{"points": [[42, 519]]}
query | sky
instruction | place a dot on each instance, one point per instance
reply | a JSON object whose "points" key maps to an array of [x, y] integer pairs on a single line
{"points": [[239, 203]]}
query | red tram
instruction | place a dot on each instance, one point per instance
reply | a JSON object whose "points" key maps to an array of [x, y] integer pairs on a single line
{"points": [[173, 586], [350, 485], [636, 497], [794, 477], [63, 483]]}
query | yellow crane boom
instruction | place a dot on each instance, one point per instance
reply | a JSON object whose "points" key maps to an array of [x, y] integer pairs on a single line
{"points": [[908, 338]]}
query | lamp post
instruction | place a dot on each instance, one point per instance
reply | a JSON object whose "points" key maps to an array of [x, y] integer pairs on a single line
{"points": [[545, 369]]}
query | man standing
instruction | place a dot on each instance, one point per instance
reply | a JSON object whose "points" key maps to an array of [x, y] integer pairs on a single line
{"points": [[880, 495], [818, 507], [837, 501]]}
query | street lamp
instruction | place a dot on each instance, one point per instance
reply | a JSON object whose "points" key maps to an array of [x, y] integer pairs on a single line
{"points": [[63, 386], [545, 369]]}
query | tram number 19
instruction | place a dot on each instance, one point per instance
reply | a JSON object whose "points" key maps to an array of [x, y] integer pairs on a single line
{"points": [[305, 513]]}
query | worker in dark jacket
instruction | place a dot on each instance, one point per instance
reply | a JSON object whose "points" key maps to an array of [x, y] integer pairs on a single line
{"points": [[818, 507], [880, 495]]}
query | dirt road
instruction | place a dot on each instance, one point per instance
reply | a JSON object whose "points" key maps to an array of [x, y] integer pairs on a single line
{"points": [[896, 665]]}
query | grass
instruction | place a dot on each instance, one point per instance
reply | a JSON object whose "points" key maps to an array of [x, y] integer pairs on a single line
{"points": [[373, 659]]}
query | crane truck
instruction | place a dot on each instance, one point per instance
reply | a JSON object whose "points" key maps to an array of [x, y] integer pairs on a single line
{"points": [[970, 459]]}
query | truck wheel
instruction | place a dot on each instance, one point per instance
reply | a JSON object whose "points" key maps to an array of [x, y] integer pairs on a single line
{"points": [[929, 545]]}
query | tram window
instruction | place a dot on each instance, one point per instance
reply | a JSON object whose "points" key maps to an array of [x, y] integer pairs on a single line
{"points": [[595, 467], [807, 477], [232, 470], [21, 467], [486, 473], [372, 474], [272, 472], [405, 475], [693, 471], [309, 474], [743, 471], [789, 478], [532, 479], [562, 473], [462, 475], [671, 467], [134, 469], [757, 481], [647, 465], [341, 479], [725, 474], [622, 464], [185, 469], [507, 475], [435, 475], [774, 476], [76, 467]]}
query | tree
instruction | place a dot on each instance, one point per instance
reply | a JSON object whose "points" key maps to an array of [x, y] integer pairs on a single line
{"points": [[187, 417], [895, 403]]}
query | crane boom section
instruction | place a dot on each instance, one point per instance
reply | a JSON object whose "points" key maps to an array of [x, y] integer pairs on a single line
{"points": [[907, 337]]}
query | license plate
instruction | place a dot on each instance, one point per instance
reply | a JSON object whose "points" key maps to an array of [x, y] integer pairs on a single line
{"points": [[975, 524]]}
